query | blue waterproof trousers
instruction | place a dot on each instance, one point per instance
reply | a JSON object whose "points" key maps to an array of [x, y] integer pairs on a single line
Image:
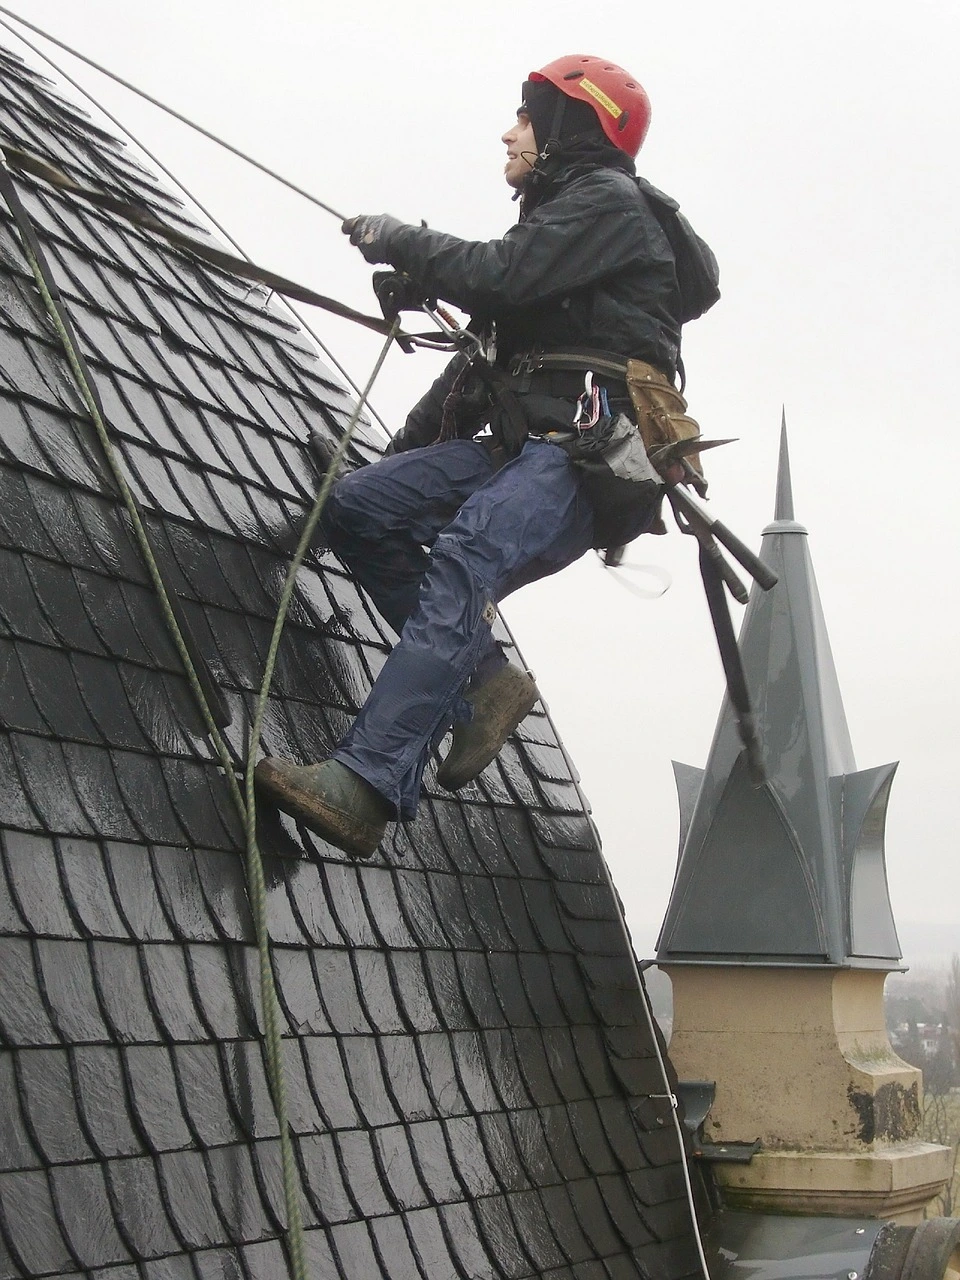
{"points": [[437, 537]]}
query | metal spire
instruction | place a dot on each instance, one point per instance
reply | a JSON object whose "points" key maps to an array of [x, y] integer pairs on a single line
{"points": [[792, 873]]}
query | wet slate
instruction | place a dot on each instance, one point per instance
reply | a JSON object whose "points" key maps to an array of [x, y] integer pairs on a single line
{"points": [[469, 1063]]}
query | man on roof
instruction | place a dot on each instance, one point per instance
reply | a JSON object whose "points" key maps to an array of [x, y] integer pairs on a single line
{"points": [[471, 501]]}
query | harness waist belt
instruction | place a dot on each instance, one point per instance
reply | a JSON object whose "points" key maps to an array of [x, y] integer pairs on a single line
{"points": [[600, 361]]}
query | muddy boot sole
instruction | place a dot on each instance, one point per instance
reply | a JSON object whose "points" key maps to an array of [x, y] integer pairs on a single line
{"points": [[329, 799], [498, 708]]}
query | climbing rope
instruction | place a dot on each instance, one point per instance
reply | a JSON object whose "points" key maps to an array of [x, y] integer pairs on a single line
{"points": [[245, 802]]}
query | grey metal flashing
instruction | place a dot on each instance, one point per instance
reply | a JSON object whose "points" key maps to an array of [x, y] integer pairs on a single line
{"points": [[791, 873]]}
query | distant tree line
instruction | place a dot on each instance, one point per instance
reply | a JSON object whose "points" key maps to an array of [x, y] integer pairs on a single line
{"points": [[923, 1020]]}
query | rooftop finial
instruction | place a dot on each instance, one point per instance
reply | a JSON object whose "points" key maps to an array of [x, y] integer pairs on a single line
{"points": [[783, 509]]}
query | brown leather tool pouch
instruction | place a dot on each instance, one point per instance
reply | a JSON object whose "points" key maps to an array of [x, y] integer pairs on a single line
{"points": [[660, 408]]}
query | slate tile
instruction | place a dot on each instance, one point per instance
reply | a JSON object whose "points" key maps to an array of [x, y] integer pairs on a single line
{"points": [[236, 1195], [152, 1084], [337, 985], [450, 824], [591, 1056], [537, 980], [70, 989], [542, 908], [72, 453], [122, 992], [500, 1237], [483, 906], [449, 1000], [514, 910], [11, 921], [432, 1157], [245, 1077], [558, 1141], [362, 1173], [377, 993], [105, 698], [429, 1241], [103, 1100], [368, 1084], [35, 884], [413, 990], [508, 987], [473, 1072], [107, 612], [307, 894], [20, 525], [43, 772], [86, 1216], [267, 1166], [623, 1211], [203, 1090], [16, 809], [193, 793], [355, 1252], [536, 1230], [323, 1179], [139, 1209], [418, 908], [31, 1228], [478, 991], [91, 771], [463, 1238], [485, 1154], [20, 612], [394, 1248], [321, 1262], [49, 1107], [612, 986], [181, 893], [23, 1016], [570, 1238], [329, 1083], [130, 873], [440, 1074], [163, 709], [19, 708], [563, 1063], [170, 994], [515, 831], [404, 1076], [592, 1216], [505, 1070], [87, 888], [265, 1261], [17, 1151], [222, 1008], [141, 789], [590, 1137]]}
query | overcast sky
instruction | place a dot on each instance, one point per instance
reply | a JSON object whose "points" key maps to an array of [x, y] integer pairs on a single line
{"points": [[817, 148]]}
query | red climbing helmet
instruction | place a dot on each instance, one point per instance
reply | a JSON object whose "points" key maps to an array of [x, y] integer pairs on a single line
{"points": [[620, 102]]}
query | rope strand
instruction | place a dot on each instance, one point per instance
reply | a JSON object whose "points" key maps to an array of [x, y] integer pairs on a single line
{"points": [[191, 124]]}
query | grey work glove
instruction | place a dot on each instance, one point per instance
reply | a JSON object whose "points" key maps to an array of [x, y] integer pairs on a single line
{"points": [[371, 233]]}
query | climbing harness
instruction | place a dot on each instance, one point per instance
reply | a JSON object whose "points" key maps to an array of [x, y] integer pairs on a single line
{"points": [[202, 687]]}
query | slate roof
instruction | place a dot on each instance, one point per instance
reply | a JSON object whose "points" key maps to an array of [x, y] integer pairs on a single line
{"points": [[469, 1064], [792, 872]]}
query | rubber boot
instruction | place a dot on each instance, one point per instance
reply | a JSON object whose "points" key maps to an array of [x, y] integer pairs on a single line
{"points": [[498, 707], [330, 799]]}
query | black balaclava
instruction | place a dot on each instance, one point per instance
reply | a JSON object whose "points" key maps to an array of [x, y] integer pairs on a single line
{"points": [[579, 140], [579, 122]]}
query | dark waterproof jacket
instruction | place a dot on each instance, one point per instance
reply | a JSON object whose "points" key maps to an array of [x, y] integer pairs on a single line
{"points": [[589, 267]]}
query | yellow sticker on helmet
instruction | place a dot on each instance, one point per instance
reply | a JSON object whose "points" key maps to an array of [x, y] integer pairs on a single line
{"points": [[594, 91]]}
